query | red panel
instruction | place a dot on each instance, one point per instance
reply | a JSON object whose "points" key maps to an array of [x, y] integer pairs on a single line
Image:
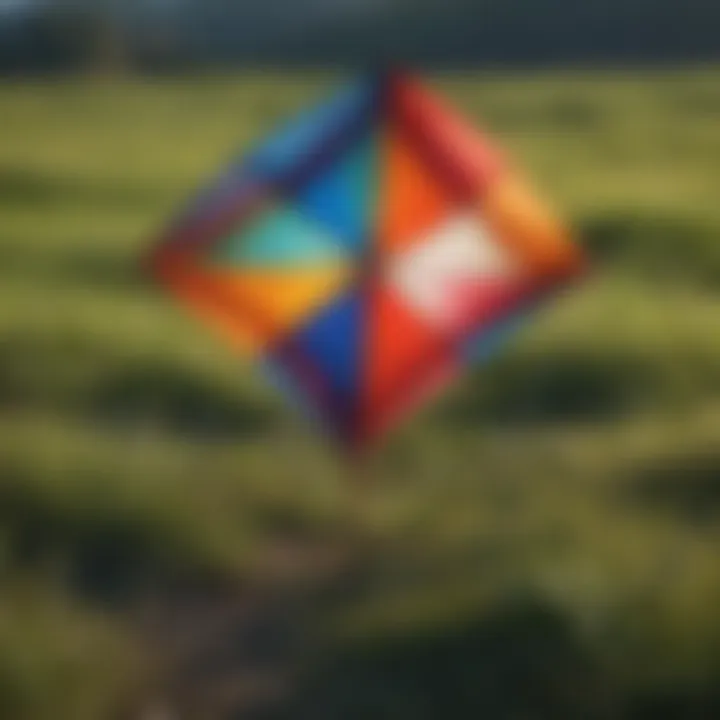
{"points": [[436, 377], [405, 358], [480, 302], [459, 153]]}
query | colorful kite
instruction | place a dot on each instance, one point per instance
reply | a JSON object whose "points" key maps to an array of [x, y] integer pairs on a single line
{"points": [[366, 253]]}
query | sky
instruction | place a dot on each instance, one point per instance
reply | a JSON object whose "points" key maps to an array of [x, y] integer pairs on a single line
{"points": [[10, 6]]}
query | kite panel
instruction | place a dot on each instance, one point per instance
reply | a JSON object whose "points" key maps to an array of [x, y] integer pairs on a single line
{"points": [[214, 214], [528, 227], [232, 182], [342, 197], [332, 343], [280, 238], [457, 152], [412, 200], [292, 151], [317, 135], [245, 332], [439, 372], [277, 301], [401, 348], [457, 276]]}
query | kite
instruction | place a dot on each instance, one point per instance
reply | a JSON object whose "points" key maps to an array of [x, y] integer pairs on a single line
{"points": [[366, 253]]}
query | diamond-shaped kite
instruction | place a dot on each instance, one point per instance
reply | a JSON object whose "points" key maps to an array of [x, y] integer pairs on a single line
{"points": [[367, 252]]}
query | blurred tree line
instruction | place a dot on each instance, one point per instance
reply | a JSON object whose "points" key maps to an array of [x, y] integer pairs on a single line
{"points": [[156, 35]]}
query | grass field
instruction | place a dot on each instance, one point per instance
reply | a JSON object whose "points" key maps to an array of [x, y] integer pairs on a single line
{"points": [[544, 543]]}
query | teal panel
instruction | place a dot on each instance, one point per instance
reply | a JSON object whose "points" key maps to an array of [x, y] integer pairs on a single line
{"points": [[280, 238]]}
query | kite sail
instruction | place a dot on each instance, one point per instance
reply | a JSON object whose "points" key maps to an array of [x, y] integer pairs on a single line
{"points": [[366, 253]]}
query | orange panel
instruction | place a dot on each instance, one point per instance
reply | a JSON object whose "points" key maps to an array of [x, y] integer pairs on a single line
{"points": [[521, 220], [251, 308], [245, 333], [403, 354], [412, 201]]}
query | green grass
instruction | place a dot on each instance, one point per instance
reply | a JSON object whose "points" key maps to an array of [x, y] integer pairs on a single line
{"points": [[560, 508]]}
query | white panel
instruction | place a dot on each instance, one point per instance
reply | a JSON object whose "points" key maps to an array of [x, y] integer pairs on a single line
{"points": [[430, 275]]}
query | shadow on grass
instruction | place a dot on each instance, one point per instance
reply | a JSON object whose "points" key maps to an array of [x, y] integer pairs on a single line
{"points": [[96, 270], [103, 552], [177, 401], [521, 660], [655, 244], [552, 387], [686, 485], [696, 102], [73, 375], [29, 188]]}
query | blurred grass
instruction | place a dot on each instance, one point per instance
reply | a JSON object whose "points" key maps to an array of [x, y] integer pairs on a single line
{"points": [[559, 509]]}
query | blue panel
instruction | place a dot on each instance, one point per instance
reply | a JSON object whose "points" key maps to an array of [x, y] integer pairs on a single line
{"points": [[245, 178], [279, 374], [302, 137], [331, 344], [281, 238], [332, 341], [342, 197]]}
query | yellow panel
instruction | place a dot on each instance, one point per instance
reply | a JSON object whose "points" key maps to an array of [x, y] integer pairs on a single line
{"points": [[276, 301]]}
